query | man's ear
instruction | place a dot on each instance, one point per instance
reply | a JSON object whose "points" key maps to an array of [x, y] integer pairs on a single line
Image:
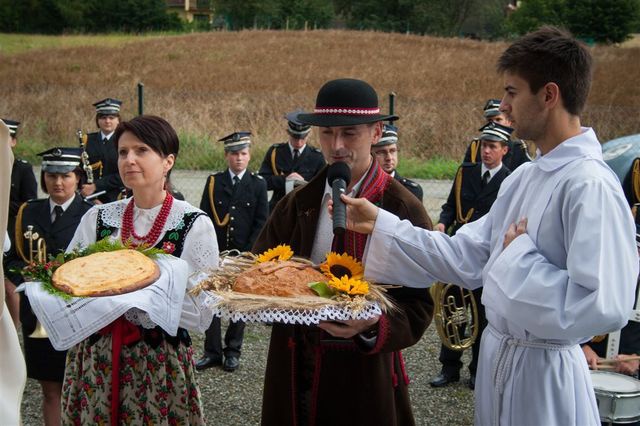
{"points": [[551, 93]]}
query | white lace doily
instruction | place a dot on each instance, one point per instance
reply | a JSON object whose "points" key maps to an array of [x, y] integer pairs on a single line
{"points": [[294, 316]]}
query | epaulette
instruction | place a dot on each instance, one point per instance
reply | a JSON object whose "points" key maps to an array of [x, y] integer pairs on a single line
{"points": [[409, 182], [257, 176], [313, 148], [219, 173], [469, 164], [37, 200], [22, 161], [276, 145]]}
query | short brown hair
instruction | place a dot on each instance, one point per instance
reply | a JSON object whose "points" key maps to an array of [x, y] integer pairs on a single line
{"points": [[551, 55], [154, 131]]}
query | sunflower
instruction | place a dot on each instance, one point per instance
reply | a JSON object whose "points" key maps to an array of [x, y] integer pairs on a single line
{"points": [[350, 286], [339, 265], [281, 252]]}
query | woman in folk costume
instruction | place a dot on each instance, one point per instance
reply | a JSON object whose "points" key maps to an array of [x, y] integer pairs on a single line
{"points": [[156, 382], [54, 219]]}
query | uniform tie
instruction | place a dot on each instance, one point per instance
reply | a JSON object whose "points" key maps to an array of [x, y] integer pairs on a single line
{"points": [[58, 212], [236, 180], [485, 178], [296, 154]]}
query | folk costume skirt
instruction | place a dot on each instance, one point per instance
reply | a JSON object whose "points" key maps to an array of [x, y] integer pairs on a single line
{"points": [[157, 384]]}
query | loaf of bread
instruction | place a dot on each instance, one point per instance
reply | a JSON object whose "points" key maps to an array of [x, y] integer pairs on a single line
{"points": [[106, 273], [284, 279]]}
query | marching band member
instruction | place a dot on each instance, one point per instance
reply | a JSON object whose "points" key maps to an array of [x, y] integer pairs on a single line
{"points": [[54, 219], [236, 201], [102, 152], [290, 163]]}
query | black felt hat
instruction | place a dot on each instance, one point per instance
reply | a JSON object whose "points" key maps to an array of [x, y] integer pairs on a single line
{"points": [[345, 102]]}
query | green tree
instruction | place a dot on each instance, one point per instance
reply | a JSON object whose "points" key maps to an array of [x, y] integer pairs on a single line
{"points": [[534, 13], [604, 21]]}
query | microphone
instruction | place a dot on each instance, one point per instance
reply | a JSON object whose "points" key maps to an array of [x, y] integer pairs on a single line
{"points": [[339, 175]]}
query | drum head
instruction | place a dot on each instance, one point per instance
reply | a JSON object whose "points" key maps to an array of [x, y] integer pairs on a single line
{"points": [[614, 382]]}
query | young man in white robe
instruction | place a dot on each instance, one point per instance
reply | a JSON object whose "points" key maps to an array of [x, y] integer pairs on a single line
{"points": [[555, 254]]}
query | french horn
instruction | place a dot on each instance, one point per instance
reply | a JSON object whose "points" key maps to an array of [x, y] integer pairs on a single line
{"points": [[455, 315]]}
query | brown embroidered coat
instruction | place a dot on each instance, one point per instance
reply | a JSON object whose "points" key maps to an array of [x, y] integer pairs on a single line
{"points": [[313, 378]]}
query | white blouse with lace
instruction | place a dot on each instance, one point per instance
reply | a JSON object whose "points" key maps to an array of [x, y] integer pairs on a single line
{"points": [[200, 251]]}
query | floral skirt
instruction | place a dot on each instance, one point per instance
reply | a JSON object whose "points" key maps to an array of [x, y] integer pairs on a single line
{"points": [[157, 385]]}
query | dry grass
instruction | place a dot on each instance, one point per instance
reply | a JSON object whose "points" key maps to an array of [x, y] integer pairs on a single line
{"points": [[210, 84]]}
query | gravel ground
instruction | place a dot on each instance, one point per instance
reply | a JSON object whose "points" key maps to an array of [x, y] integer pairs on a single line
{"points": [[233, 399]]}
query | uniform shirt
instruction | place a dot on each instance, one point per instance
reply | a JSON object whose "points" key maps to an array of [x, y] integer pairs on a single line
{"points": [[65, 206], [278, 164], [238, 214], [23, 185], [106, 177]]}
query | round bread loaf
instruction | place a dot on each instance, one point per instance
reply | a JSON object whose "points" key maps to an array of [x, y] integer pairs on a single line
{"points": [[106, 273], [284, 279]]}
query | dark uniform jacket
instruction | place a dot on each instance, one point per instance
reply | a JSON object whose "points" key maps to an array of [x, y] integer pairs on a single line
{"points": [[517, 155], [246, 206], [629, 340], [278, 164], [57, 237], [103, 157], [349, 383], [23, 185], [412, 186], [472, 195]]}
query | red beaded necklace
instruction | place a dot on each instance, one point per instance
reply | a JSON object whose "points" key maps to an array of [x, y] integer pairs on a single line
{"points": [[128, 232]]}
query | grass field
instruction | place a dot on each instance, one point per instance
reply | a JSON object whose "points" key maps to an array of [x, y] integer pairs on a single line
{"points": [[210, 84]]}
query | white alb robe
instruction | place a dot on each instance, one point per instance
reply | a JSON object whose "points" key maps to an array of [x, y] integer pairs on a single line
{"points": [[571, 276]]}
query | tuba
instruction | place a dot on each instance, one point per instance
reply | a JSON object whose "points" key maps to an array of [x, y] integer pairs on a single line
{"points": [[40, 252], [456, 315]]}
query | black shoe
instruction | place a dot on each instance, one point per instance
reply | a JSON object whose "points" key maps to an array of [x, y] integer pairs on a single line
{"points": [[231, 363], [207, 362], [443, 379], [472, 382]]}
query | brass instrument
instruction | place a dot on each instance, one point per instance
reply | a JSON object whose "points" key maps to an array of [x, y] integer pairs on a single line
{"points": [[457, 324], [41, 257], [84, 157]]}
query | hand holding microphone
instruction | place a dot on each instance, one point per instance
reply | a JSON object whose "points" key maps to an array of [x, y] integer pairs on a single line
{"points": [[339, 176]]}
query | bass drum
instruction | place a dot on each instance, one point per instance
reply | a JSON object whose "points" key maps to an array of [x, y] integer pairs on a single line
{"points": [[619, 154], [618, 397]]}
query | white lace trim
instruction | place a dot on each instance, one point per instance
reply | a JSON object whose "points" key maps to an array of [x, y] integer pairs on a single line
{"points": [[111, 213], [139, 317], [294, 316]]}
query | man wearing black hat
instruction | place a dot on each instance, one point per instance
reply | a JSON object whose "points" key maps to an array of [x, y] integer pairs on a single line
{"points": [[23, 189], [236, 202], [386, 152], [289, 164], [357, 359], [53, 219], [518, 152], [103, 156], [474, 190]]}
